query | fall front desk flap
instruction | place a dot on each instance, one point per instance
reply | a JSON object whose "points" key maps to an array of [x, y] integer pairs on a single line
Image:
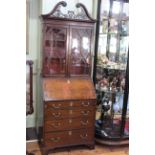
{"points": [[67, 88]]}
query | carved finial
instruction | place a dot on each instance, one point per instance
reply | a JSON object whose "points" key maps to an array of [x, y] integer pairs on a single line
{"points": [[56, 13], [56, 9], [84, 13]]}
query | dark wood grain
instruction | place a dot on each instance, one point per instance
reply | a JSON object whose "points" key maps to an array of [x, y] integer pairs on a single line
{"points": [[67, 138], [67, 89], [64, 4], [69, 98], [69, 124]]}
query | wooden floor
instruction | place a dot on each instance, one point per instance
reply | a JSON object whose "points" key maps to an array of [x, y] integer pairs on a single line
{"points": [[99, 150]]}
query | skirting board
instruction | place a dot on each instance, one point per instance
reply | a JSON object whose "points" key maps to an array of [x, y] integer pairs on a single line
{"points": [[31, 134]]}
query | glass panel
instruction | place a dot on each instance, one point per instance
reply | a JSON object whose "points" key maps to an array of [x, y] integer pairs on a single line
{"points": [[55, 50], [125, 28], [80, 52], [113, 26], [110, 94], [104, 26], [116, 8], [125, 12], [105, 4], [112, 48], [123, 55], [102, 45]]}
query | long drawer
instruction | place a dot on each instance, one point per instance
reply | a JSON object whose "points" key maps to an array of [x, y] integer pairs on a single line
{"points": [[70, 113], [65, 138], [69, 104], [68, 124]]}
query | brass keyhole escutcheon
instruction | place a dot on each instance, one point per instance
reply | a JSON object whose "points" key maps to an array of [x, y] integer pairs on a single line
{"points": [[70, 121], [70, 133]]}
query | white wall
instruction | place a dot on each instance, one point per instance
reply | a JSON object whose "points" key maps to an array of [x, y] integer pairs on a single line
{"points": [[38, 7], [33, 54]]}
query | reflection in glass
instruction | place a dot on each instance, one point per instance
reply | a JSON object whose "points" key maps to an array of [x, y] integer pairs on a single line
{"points": [[113, 26], [85, 43], [124, 41], [55, 53], [116, 8], [123, 56], [80, 53], [113, 44], [125, 11], [75, 43], [112, 48], [104, 26], [102, 44], [124, 27], [118, 105], [105, 8]]}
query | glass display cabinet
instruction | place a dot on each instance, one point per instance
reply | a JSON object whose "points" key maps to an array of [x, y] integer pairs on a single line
{"points": [[111, 72]]}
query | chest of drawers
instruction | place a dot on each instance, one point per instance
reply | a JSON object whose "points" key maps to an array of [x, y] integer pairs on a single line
{"points": [[69, 113]]}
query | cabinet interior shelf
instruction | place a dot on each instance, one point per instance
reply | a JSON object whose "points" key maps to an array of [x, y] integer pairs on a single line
{"points": [[116, 18], [55, 40], [109, 91], [119, 115], [103, 66], [110, 33]]}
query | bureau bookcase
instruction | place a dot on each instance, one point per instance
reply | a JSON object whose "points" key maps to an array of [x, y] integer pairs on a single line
{"points": [[69, 98]]}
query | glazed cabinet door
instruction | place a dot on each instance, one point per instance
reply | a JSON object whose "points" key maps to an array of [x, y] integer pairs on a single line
{"points": [[54, 50], [80, 51]]}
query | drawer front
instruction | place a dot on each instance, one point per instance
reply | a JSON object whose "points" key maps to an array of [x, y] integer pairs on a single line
{"points": [[69, 104], [61, 114], [68, 124], [64, 138]]}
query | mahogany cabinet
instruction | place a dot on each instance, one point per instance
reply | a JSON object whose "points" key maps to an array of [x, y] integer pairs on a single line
{"points": [[69, 98], [67, 49], [69, 112], [67, 45]]}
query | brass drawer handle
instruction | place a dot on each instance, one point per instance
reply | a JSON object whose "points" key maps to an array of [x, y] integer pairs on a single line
{"points": [[71, 104], [57, 139], [70, 133], [84, 123], [56, 114], [70, 121], [84, 136], [56, 106], [55, 125], [85, 112], [86, 104]]}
